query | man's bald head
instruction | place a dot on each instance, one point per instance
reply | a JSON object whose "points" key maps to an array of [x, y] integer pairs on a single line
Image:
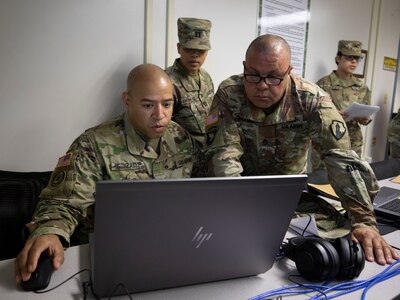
{"points": [[267, 57], [269, 44], [149, 100], [146, 74]]}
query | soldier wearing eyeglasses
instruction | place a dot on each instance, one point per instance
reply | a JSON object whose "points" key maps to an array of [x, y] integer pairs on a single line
{"points": [[261, 122], [346, 89]]}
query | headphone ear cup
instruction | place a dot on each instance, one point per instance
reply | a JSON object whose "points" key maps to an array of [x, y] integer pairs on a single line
{"points": [[359, 258], [351, 257], [347, 259], [317, 259]]}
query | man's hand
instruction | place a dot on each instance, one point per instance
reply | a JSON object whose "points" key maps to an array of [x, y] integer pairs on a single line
{"points": [[363, 121], [26, 261], [375, 247]]}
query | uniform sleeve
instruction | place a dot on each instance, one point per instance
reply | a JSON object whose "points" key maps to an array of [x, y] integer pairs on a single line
{"points": [[356, 185], [328, 130], [223, 149], [64, 202], [352, 179], [367, 97]]}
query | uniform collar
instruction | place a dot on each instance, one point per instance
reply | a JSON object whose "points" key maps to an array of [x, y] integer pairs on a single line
{"points": [[137, 146], [336, 81], [284, 111], [188, 83]]}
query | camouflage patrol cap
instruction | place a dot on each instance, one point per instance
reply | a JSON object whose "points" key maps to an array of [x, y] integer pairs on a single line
{"points": [[350, 48], [194, 33]]}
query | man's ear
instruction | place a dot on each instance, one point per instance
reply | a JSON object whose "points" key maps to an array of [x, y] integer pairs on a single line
{"points": [[126, 99], [178, 48], [290, 70]]}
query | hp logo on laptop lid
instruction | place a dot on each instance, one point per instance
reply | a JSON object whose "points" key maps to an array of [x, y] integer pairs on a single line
{"points": [[199, 237]]}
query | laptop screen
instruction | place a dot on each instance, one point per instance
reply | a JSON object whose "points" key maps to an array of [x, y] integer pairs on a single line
{"points": [[157, 234], [387, 203]]}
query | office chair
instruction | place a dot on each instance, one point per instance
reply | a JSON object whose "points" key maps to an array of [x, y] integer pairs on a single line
{"points": [[19, 194]]}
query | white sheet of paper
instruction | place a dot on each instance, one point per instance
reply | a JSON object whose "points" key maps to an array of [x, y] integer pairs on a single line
{"points": [[357, 110]]}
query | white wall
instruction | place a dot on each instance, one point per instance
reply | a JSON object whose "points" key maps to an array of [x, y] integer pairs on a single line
{"points": [[376, 23], [383, 82], [234, 26], [64, 63], [63, 67], [331, 21]]}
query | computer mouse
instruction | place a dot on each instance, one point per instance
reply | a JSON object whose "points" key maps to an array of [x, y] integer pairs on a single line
{"points": [[40, 278]]}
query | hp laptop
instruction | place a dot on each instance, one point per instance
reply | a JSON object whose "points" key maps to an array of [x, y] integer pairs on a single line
{"points": [[387, 203], [155, 234]]}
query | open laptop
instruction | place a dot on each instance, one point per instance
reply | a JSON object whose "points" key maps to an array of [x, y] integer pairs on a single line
{"points": [[387, 203], [157, 234]]}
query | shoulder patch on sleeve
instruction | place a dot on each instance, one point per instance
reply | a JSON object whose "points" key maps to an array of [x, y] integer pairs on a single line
{"points": [[212, 118], [338, 129], [65, 160]]}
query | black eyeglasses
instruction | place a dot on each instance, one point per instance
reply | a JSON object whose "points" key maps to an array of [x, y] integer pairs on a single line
{"points": [[269, 80], [351, 57]]}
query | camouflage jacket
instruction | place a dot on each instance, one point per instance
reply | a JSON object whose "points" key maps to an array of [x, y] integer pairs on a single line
{"points": [[109, 151], [242, 140], [192, 101], [394, 136], [343, 94], [394, 129]]}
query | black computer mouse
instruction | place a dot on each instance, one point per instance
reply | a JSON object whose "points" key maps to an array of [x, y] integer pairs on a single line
{"points": [[40, 278]]}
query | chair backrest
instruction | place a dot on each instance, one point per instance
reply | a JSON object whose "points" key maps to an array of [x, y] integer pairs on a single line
{"points": [[19, 194], [386, 168]]}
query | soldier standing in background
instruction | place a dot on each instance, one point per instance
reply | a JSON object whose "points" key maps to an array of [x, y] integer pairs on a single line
{"points": [[193, 86], [141, 143], [394, 136], [345, 89], [261, 122]]}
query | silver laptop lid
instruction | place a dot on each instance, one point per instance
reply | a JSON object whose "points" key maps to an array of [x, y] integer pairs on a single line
{"points": [[156, 234]]}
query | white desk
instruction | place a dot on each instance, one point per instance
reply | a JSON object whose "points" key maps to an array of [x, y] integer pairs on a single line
{"points": [[77, 258]]}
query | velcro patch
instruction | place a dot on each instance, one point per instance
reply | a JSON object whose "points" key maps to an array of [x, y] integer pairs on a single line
{"points": [[134, 166], [210, 134], [212, 118], [65, 160], [57, 178], [338, 129]]}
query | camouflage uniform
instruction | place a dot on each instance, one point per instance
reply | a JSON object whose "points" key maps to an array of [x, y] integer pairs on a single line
{"points": [[343, 94], [192, 99], [192, 95], [110, 151], [242, 140], [394, 136]]}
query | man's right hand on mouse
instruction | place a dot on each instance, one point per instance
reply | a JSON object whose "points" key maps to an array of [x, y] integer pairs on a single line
{"points": [[27, 259]]}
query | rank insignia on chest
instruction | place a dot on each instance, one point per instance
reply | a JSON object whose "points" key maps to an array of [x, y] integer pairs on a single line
{"points": [[338, 129]]}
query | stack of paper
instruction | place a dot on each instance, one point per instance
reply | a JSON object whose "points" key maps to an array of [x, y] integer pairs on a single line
{"points": [[357, 110]]}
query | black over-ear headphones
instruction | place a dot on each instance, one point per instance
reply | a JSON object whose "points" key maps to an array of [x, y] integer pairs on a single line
{"points": [[320, 259]]}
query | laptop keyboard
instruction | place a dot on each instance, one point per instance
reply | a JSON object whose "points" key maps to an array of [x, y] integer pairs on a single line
{"points": [[392, 206]]}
